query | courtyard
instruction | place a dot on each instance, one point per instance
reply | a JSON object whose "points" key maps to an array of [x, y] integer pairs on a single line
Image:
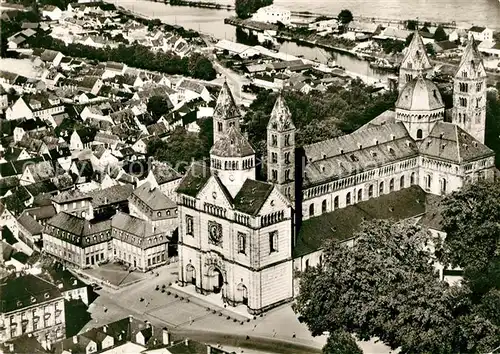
{"points": [[115, 274]]}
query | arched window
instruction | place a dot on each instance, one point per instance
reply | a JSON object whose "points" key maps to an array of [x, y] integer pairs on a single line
{"points": [[391, 185], [370, 191], [419, 134], [381, 188], [443, 185], [336, 202], [428, 181], [360, 195], [412, 179], [402, 182], [219, 126], [275, 175], [323, 206], [348, 198], [311, 210]]}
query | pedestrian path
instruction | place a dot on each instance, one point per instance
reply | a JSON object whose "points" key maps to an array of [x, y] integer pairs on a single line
{"points": [[213, 299]]}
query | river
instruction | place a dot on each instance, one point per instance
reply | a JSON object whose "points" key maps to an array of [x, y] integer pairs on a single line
{"points": [[464, 12]]}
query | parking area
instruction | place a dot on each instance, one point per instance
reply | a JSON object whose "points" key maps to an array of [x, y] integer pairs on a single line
{"points": [[115, 274]]}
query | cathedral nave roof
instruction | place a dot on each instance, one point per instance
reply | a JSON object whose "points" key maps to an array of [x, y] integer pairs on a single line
{"points": [[449, 142], [359, 151]]}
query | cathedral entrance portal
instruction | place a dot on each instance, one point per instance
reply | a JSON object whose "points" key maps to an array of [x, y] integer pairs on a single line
{"points": [[217, 280]]}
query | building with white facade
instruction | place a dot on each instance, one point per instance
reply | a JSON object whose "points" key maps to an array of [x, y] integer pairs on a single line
{"points": [[272, 14], [244, 238]]}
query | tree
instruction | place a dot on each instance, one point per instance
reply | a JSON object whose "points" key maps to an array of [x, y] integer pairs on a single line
{"points": [[411, 25], [471, 222], [440, 34], [386, 286], [430, 49], [345, 16], [159, 106], [341, 343], [245, 8], [409, 39], [200, 67]]}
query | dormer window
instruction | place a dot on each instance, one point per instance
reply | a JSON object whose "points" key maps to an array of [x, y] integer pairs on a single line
{"points": [[341, 151], [360, 146], [33, 299]]}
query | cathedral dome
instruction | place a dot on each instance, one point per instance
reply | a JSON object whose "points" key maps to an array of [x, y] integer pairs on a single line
{"points": [[232, 144], [420, 95]]}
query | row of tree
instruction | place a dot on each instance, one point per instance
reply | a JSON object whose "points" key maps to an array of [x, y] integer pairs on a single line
{"points": [[136, 55], [386, 285], [318, 117]]}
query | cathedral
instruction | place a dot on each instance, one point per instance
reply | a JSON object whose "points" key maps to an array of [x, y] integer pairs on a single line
{"points": [[238, 236]]}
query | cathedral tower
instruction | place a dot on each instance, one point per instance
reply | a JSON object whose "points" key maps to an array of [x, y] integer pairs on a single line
{"points": [[226, 113], [469, 93], [415, 62], [281, 148]]}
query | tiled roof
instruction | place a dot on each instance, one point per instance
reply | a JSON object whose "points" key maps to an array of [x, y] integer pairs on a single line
{"points": [[477, 29], [195, 179], [25, 291], [30, 224], [232, 144], [70, 196], [111, 195], [82, 232], [252, 196], [191, 86], [362, 150], [164, 173], [342, 224], [449, 142], [420, 95], [153, 197], [42, 171], [140, 229]]}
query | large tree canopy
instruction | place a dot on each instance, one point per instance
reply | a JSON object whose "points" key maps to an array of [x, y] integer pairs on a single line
{"points": [[345, 16], [386, 286], [471, 220]]}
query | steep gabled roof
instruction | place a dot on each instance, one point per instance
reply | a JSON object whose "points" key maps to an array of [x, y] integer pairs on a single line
{"points": [[471, 62], [416, 54], [226, 107], [281, 118]]}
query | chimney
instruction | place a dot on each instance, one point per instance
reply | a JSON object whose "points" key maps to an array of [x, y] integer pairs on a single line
{"points": [[105, 328], [130, 318], [186, 342], [165, 336], [11, 347], [75, 339], [209, 349]]}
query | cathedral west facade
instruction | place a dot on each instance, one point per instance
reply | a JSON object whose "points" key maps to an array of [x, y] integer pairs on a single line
{"points": [[237, 235]]}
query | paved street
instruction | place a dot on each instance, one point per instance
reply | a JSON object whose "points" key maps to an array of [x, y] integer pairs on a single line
{"points": [[187, 315]]}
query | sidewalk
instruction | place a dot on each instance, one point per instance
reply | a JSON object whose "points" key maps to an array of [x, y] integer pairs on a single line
{"points": [[214, 299]]}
